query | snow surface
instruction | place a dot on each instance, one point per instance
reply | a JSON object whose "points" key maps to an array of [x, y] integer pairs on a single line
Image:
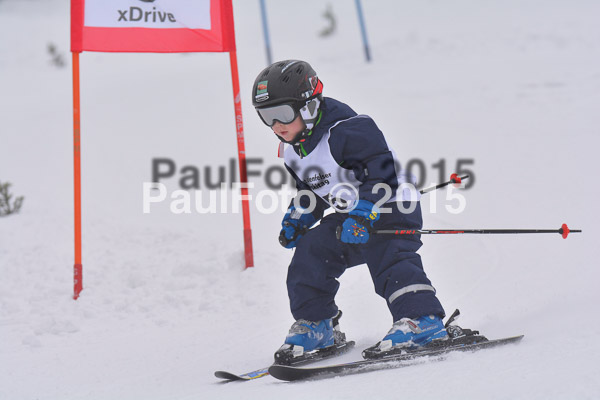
{"points": [[513, 85]]}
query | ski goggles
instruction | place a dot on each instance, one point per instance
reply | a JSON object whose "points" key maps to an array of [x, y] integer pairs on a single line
{"points": [[284, 113]]}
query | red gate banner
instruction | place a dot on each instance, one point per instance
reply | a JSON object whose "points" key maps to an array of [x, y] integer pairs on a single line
{"points": [[153, 26]]}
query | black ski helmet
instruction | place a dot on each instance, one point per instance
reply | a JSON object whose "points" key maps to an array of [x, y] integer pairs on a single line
{"points": [[285, 81], [290, 81]]}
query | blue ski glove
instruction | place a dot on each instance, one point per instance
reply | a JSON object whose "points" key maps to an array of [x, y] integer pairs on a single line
{"points": [[355, 228], [294, 225]]}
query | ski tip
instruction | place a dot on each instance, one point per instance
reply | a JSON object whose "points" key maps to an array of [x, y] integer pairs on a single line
{"points": [[225, 375], [228, 376]]}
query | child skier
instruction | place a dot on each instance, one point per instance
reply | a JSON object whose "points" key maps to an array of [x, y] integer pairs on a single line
{"points": [[331, 147]]}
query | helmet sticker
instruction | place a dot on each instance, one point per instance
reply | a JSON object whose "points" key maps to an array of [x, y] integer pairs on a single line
{"points": [[261, 87], [261, 91]]}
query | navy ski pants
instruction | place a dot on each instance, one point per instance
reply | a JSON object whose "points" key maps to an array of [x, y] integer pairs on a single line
{"points": [[396, 269]]}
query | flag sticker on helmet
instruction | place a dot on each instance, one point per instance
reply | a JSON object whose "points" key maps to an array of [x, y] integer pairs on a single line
{"points": [[261, 91], [261, 87]]}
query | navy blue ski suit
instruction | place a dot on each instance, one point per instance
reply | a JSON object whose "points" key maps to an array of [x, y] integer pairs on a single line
{"points": [[320, 258]]}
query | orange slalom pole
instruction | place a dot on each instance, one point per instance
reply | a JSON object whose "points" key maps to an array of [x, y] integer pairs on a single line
{"points": [[77, 268], [239, 125]]}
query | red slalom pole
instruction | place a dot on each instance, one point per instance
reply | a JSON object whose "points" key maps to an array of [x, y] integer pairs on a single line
{"points": [[239, 125], [564, 231], [77, 267]]}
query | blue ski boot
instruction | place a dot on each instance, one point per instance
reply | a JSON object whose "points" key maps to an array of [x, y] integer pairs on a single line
{"points": [[409, 334], [308, 340]]}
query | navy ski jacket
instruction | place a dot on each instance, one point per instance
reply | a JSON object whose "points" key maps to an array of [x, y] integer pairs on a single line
{"points": [[357, 145]]}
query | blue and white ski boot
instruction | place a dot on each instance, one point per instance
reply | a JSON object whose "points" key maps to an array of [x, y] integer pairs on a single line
{"points": [[312, 340], [409, 334]]}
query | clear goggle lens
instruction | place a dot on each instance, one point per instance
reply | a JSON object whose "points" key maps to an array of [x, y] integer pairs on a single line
{"points": [[283, 113]]}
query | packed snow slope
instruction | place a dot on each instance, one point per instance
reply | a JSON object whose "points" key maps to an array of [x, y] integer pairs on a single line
{"points": [[513, 86]]}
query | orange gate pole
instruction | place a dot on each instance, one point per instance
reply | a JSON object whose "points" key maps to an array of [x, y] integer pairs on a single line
{"points": [[77, 268], [239, 126]]}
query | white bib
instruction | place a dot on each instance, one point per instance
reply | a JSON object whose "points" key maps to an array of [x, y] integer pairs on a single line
{"points": [[336, 185]]}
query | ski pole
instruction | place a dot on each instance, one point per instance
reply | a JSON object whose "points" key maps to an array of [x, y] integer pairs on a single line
{"points": [[563, 231], [454, 178]]}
